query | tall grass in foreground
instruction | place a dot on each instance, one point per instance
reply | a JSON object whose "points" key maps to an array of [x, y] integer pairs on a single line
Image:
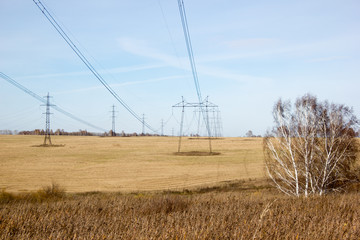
{"points": [[227, 215]]}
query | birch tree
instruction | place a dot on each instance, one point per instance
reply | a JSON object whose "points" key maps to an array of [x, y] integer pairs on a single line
{"points": [[312, 148]]}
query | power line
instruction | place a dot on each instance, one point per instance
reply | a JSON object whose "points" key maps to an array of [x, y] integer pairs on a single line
{"points": [[189, 47], [192, 62], [75, 49], [169, 32], [34, 95]]}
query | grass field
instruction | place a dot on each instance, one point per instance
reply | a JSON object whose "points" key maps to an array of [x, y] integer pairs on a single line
{"points": [[125, 164]]}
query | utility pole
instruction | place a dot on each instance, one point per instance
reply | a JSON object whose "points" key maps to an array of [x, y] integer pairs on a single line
{"points": [[47, 125]]}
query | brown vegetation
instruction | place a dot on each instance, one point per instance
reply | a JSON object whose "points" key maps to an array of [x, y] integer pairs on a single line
{"points": [[48, 193], [250, 214]]}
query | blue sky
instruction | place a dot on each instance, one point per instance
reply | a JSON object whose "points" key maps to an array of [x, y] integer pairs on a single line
{"points": [[248, 55]]}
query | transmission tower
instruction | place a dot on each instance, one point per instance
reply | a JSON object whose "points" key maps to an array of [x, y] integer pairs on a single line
{"points": [[34, 95], [213, 113], [113, 132], [143, 125], [219, 123], [162, 127], [47, 126], [204, 108]]}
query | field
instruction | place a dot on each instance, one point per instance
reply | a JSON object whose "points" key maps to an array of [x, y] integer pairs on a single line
{"points": [[130, 164], [137, 188]]}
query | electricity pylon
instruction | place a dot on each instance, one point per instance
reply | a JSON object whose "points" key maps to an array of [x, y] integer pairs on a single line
{"points": [[47, 125], [113, 133]]}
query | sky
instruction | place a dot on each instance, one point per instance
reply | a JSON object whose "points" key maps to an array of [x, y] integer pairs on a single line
{"points": [[248, 54]]}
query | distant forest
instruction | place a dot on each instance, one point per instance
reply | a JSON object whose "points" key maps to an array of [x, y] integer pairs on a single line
{"points": [[62, 132]]}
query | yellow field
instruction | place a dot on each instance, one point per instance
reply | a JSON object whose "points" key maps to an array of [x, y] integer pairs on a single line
{"points": [[125, 164]]}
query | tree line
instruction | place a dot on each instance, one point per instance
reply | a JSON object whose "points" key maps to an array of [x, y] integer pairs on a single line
{"points": [[62, 132]]}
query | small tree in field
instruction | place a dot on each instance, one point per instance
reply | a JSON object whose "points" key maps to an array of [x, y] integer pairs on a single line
{"points": [[312, 148], [249, 134]]}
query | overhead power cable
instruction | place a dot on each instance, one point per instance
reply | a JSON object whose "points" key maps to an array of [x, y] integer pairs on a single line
{"points": [[189, 47], [34, 95], [192, 61], [75, 49]]}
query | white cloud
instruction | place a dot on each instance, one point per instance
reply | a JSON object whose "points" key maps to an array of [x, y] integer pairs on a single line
{"points": [[140, 48], [260, 48], [251, 42], [224, 74], [121, 84], [327, 59], [105, 71]]}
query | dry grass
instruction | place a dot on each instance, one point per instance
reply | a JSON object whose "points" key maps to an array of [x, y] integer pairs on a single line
{"points": [[125, 164], [48, 193], [227, 215]]}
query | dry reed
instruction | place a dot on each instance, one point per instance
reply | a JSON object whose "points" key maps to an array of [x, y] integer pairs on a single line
{"points": [[250, 214]]}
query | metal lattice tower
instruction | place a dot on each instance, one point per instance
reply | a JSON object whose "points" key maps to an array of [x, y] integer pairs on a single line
{"points": [[113, 133], [203, 107], [162, 127], [47, 126], [37, 97], [143, 124]]}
